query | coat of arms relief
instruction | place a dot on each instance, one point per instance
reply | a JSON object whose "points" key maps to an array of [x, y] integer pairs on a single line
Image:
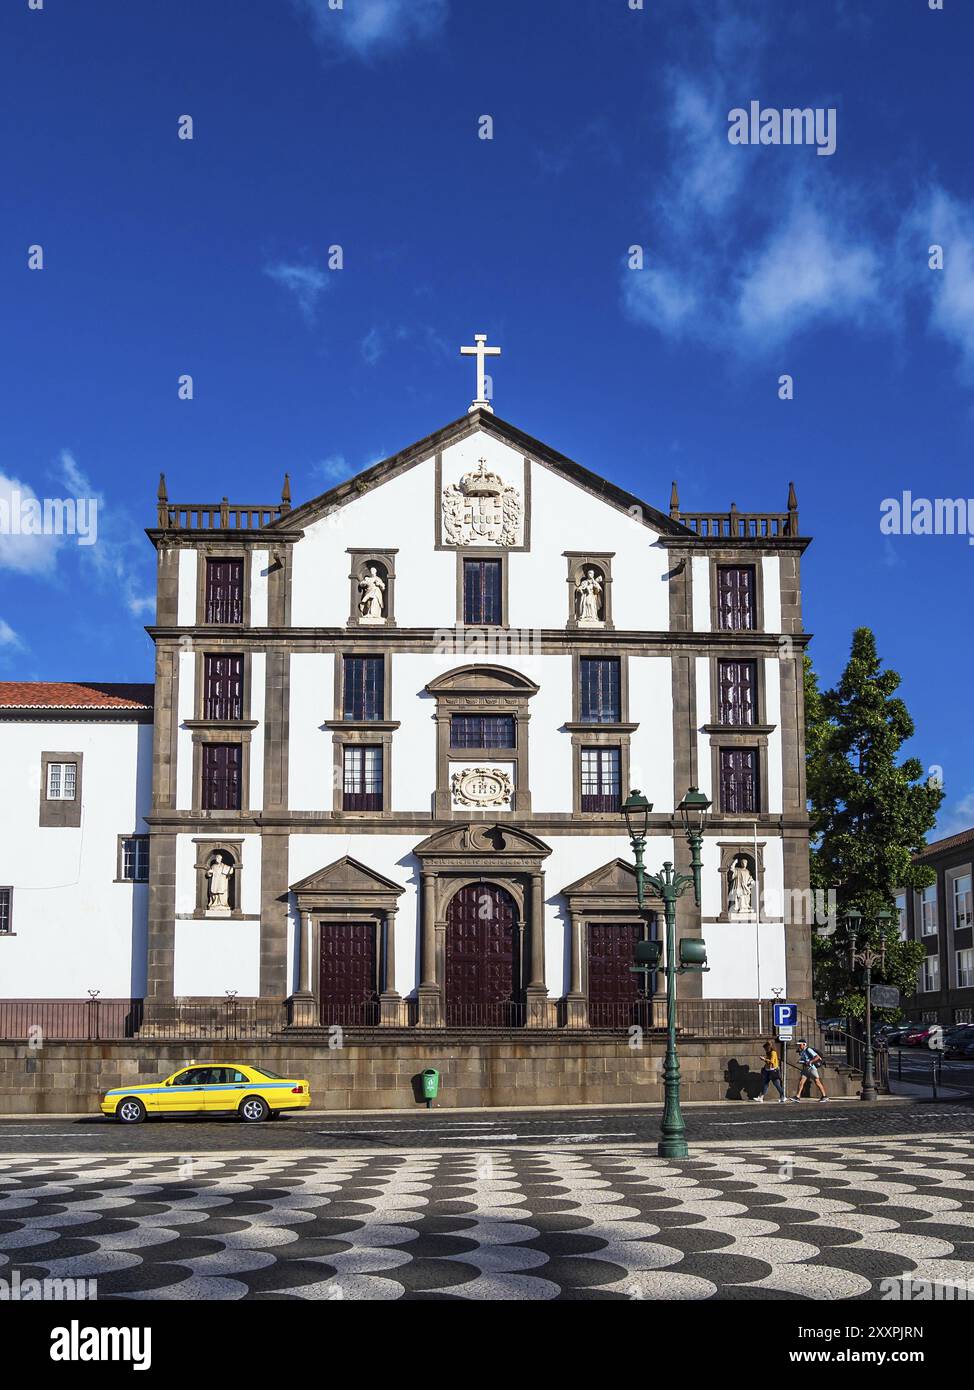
{"points": [[482, 510]]}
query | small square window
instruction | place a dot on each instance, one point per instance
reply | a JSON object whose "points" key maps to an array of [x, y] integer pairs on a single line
{"points": [[135, 858]]}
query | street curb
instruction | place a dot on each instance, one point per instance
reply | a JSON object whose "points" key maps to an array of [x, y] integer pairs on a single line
{"points": [[522, 1109]]}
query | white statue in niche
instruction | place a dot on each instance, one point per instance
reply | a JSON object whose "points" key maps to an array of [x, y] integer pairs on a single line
{"points": [[741, 888], [219, 874], [588, 598], [371, 603]]}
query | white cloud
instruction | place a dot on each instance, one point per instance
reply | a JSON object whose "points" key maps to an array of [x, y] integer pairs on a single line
{"points": [[957, 816], [809, 269], [306, 282], [8, 638], [333, 469], [117, 559], [367, 28], [939, 219], [29, 554]]}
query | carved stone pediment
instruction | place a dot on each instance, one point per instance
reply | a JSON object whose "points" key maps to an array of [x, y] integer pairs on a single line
{"points": [[497, 843], [612, 884], [349, 881], [483, 680]]}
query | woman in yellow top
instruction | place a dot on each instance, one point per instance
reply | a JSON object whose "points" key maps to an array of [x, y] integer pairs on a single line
{"points": [[771, 1072]]}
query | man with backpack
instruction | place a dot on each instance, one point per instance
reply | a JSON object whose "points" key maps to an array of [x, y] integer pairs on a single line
{"points": [[810, 1063]]}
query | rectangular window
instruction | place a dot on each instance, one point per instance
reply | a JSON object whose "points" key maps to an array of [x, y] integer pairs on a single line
{"points": [[62, 781], [964, 1015], [364, 696], [901, 915], [601, 686], [362, 778], [739, 780], [482, 590], [6, 911], [736, 692], [601, 779], [135, 858], [221, 776], [224, 591], [965, 969], [482, 731], [930, 975], [735, 598], [222, 687], [962, 902], [928, 910]]}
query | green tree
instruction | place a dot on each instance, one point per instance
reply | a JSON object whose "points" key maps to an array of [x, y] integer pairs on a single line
{"points": [[870, 814]]}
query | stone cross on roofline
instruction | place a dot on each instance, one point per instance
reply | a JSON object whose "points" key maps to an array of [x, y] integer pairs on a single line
{"points": [[480, 351]]}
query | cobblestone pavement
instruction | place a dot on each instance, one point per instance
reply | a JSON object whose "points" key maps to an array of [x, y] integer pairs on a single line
{"points": [[820, 1220]]}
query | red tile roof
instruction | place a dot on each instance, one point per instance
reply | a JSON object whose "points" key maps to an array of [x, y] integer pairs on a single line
{"points": [[74, 695], [964, 837]]}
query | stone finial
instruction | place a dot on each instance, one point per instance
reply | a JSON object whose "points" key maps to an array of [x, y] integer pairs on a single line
{"points": [[286, 493], [163, 502], [792, 510], [674, 503]]}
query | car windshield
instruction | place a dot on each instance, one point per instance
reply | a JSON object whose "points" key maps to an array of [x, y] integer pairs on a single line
{"points": [[266, 1071]]}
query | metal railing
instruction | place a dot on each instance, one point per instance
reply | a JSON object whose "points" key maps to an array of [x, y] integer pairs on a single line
{"points": [[847, 1049], [242, 1019]]}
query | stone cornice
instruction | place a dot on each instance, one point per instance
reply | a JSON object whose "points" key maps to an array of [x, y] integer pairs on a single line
{"points": [[420, 639]]}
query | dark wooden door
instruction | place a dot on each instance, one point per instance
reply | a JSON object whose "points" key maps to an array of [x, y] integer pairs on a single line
{"points": [[482, 958], [348, 979], [616, 994]]}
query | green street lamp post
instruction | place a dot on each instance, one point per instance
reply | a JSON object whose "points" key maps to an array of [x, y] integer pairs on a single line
{"points": [[867, 958], [669, 886]]}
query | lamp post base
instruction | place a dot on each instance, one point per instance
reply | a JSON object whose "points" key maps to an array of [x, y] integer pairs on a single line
{"points": [[672, 1148]]}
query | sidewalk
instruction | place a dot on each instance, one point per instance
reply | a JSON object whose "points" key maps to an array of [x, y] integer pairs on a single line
{"points": [[32, 1118]]}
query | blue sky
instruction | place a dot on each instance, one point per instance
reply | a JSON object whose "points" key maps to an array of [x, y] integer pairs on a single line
{"points": [[359, 127]]}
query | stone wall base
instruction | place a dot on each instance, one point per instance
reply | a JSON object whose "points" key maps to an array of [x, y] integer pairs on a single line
{"points": [[71, 1077]]}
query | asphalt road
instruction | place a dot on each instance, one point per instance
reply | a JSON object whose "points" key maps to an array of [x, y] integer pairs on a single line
{"points": [[521, 1129]]}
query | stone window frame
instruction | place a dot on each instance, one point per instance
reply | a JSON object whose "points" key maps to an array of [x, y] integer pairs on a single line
{"points": [[359, 559], [599, 736], [578, 562], [223, 550], [205, 849], [728, 852], [371, 736], [492, 689], [584, 731], [484, 552], [338, 720], [60, 813], [120, 856], [759, 727], [8, 888], [200, 721], [722, 559], [731, 739], [221, 733]]}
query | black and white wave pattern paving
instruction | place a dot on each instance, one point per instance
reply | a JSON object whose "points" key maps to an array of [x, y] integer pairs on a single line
{"points": [[829, 1222]]}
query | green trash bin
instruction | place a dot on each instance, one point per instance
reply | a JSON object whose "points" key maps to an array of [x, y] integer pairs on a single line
{"points": [[431, 1086]]}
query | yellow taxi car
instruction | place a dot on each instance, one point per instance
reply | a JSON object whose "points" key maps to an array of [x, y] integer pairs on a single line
{"points": [[210, 1088]]}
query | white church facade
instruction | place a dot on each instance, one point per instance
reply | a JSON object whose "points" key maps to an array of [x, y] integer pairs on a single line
{"points": [[377, 779]]}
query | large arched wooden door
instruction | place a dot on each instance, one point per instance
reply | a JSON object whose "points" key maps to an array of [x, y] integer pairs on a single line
{"points": [[482, 957]]}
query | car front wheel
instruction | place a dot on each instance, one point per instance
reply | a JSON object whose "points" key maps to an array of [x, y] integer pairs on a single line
{"points": [[130, 1111], [254, 1109]]}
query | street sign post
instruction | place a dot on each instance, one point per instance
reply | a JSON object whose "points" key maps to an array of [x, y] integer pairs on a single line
{"points": [[885, 997]]}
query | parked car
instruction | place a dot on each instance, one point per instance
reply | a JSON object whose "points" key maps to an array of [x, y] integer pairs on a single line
{"points": [[897, 1033], [963, 1049], [920, 1034], [212, 1088]]}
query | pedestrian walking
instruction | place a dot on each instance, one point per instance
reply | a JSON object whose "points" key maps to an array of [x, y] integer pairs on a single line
{"points": [[810, 1063], [771, 1072]]}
